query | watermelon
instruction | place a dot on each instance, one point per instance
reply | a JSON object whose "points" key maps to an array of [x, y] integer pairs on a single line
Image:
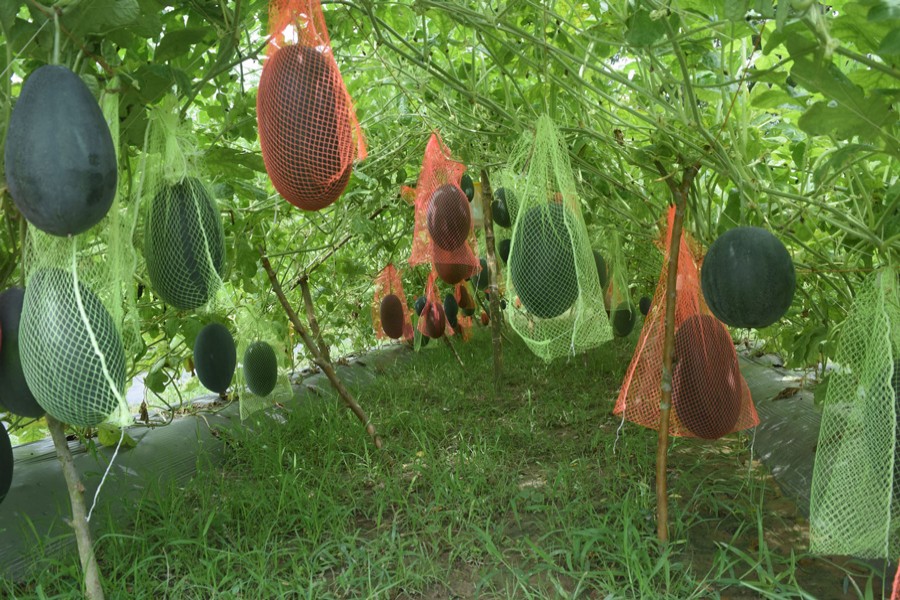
{"points": [[6, 463], [184, 244], [706, 383], [215, 357], [500, 209], [260, 368], [895, 385], [60, 156], [467, 186], [451, 310], [15, 395], [503, 249], [466, 302], [482, 278], [542, 268], [748, 278], [449, 218], [623, 319], [57, 346], [435, 320], [392, 317], [420, 305], [304, 126], [602, 271], [644, 305]]}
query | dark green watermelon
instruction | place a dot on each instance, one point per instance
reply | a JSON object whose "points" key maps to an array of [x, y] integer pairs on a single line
{"points": [[304, 126], [6, 463], [215, 357], [482, 278], [420, 305], [184, 244], [58, 354], [623, 318], [391, 312], [706, 383], [260, 368], [60, 157], [451, 310], [435, 320], [542, 268], [449, 218], [644, 305], [895, 384], [602, 271], [503, 249], [748, 278], [14, 393], [500, 209], [467, 186]]}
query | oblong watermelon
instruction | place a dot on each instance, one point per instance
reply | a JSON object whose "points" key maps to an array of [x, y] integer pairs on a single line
{"points": [[260, 368], [15, 395], [449, 218], [391, 313], [6, 463], [215, 357]]}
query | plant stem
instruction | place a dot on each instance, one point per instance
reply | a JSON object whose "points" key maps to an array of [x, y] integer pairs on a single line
{"points": [[496, 319], [320, 360], [93, 590], [311, 317], [679, 194], [453, 349]]}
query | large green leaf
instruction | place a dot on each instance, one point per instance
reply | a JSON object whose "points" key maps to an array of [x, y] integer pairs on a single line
{"points": [[101, 16]]}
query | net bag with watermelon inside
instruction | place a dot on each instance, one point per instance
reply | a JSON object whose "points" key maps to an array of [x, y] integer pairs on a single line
{"points": [[390, 312], [465, 303], [184, 241], [855, 499], [554, 298], [264, 359], [433, 320], [709, 395], [444, 229], [308, 130], [621, 307]]}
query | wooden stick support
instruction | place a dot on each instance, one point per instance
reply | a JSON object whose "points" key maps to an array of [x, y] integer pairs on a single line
{"points": [[493, 272], [314, 349], [453, 349]]}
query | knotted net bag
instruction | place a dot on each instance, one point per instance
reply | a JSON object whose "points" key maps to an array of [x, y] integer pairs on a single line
{"points": [[465, 301], [264, 361], [184, 241], [79, 299], [709, 395], [855, 499], [433, 320], [308, 131], [556, 304], [444, 232], [390, 312]]}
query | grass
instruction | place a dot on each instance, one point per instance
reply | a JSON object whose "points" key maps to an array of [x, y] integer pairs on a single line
{"points": [[531, 494]]}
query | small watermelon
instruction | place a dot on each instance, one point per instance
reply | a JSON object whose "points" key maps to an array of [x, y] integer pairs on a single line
{"points": [[623, 319], [449, 218], [467, 186], [420, 305], [644, 305], [466, 302], [503, 249], [435, 320], [15, 395], [500, 208], [60, 157], [542, 268], [304, 126], [6, 463], [392, 320], [260, 368], [451, 309], [748, 278], [602, 271], [485, 319], [706, 383], [215, 357], [453, 273], [482, 278]]}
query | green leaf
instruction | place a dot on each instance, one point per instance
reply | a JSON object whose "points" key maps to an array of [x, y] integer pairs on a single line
{"points": [[643, 30], [156, 381], [890, 45], [735, 10], [8, 11], [886, 10], [101, 16], [178, 42], [109, 435]]}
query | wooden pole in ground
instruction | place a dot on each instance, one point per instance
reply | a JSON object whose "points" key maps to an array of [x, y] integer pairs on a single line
{"points": [[93, 590], [493, 272], [679, 195], [318, 358], [311, 317]]}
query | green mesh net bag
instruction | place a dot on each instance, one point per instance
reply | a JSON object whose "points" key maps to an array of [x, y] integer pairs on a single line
{"points": [[622, 309], [79, 299], [855, 499], [184, 242], [264, 361], [557, 304]]}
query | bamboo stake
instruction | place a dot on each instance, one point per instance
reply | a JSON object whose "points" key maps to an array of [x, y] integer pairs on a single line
{"points": [[320, 360], [93, 590], [493, 270], [679, 195]]}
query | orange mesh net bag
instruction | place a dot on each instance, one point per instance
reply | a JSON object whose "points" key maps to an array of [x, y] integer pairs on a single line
{"points": [[390, 313], [709, 395], [444, 233], [433, 320], [459, 308], [308, 129]]}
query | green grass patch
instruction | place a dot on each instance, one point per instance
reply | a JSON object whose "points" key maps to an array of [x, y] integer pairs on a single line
{"points": [[539, 492]]}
